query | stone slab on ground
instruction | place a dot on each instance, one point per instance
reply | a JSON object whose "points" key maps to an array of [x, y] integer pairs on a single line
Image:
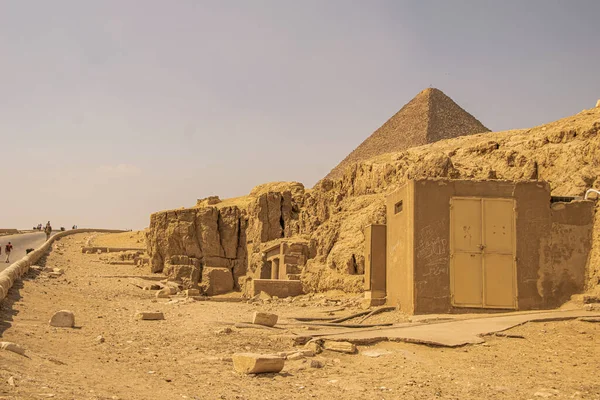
{"points": [[341, 347], [251, 363], [149, 316], [266, 319], [446, 333]]}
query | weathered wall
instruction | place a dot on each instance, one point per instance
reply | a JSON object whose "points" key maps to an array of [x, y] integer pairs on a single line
{"points": [[375, 260], [552, 246], [432, 237], [565, 252], [399, 239]]}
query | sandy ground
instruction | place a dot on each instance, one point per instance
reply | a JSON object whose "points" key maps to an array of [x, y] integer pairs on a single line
{"points": [[186, 357], [135, 239]]}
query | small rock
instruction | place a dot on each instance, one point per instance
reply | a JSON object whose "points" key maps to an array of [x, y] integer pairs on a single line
{"points": [[295, 356], [314, 346], [166, 292], [36, 268], [10, 346], [63, 319], [100, 339], [307, 352], [264, 296], [316, 364], [191, 292], [266, 319], [154, 286], [48, 269], [224, 331], [149, 316], [58, 270], [250, 363], [342, 347], [11, 381]]}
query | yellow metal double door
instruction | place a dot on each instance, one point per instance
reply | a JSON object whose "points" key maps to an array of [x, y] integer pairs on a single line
{"points": [[482, 253]]}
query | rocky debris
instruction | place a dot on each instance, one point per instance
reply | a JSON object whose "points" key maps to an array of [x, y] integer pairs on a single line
{"points": [[295, 356], [265, 319], [313, 346], [216, 280], [590, 319], [224, 331], [63, 319], [149, 316], [250, 363], [341, 347], [48, 269], [11, 381], [100, 339], [191, 292], [153, 286], [36, 268], [590, 299], [166, 292], [10, 346], [58, 270], [592, 307], [316, 364]]}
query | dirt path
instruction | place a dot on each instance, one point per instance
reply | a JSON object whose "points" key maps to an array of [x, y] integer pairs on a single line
{"points": [[185, 356]]}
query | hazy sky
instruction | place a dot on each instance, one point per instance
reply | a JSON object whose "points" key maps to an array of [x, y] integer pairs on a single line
{"points": [[111, 110]]}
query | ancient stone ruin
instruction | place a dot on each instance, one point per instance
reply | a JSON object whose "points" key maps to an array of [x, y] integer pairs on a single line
{"points": [[285, 239]]}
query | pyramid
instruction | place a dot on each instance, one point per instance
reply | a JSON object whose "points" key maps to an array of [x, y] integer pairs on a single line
{"points": [[430, 116]]}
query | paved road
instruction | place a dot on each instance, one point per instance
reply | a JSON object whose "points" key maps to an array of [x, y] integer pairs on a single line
{"points": [[20, 243]]}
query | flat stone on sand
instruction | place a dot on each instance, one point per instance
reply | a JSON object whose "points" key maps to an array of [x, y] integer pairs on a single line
{"points": [[250, 363]]}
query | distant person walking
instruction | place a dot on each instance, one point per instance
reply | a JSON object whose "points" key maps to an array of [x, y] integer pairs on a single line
{"points": [[7, 249], [48, 230]]}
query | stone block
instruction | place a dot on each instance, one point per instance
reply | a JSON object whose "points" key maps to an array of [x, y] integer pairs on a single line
{"points": [[341, 347], [63, 319], [191, 292], [266, 319], [166, 292], [276, 287], [250, 363], [188, 275], [149, 316], [216, 280]]}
